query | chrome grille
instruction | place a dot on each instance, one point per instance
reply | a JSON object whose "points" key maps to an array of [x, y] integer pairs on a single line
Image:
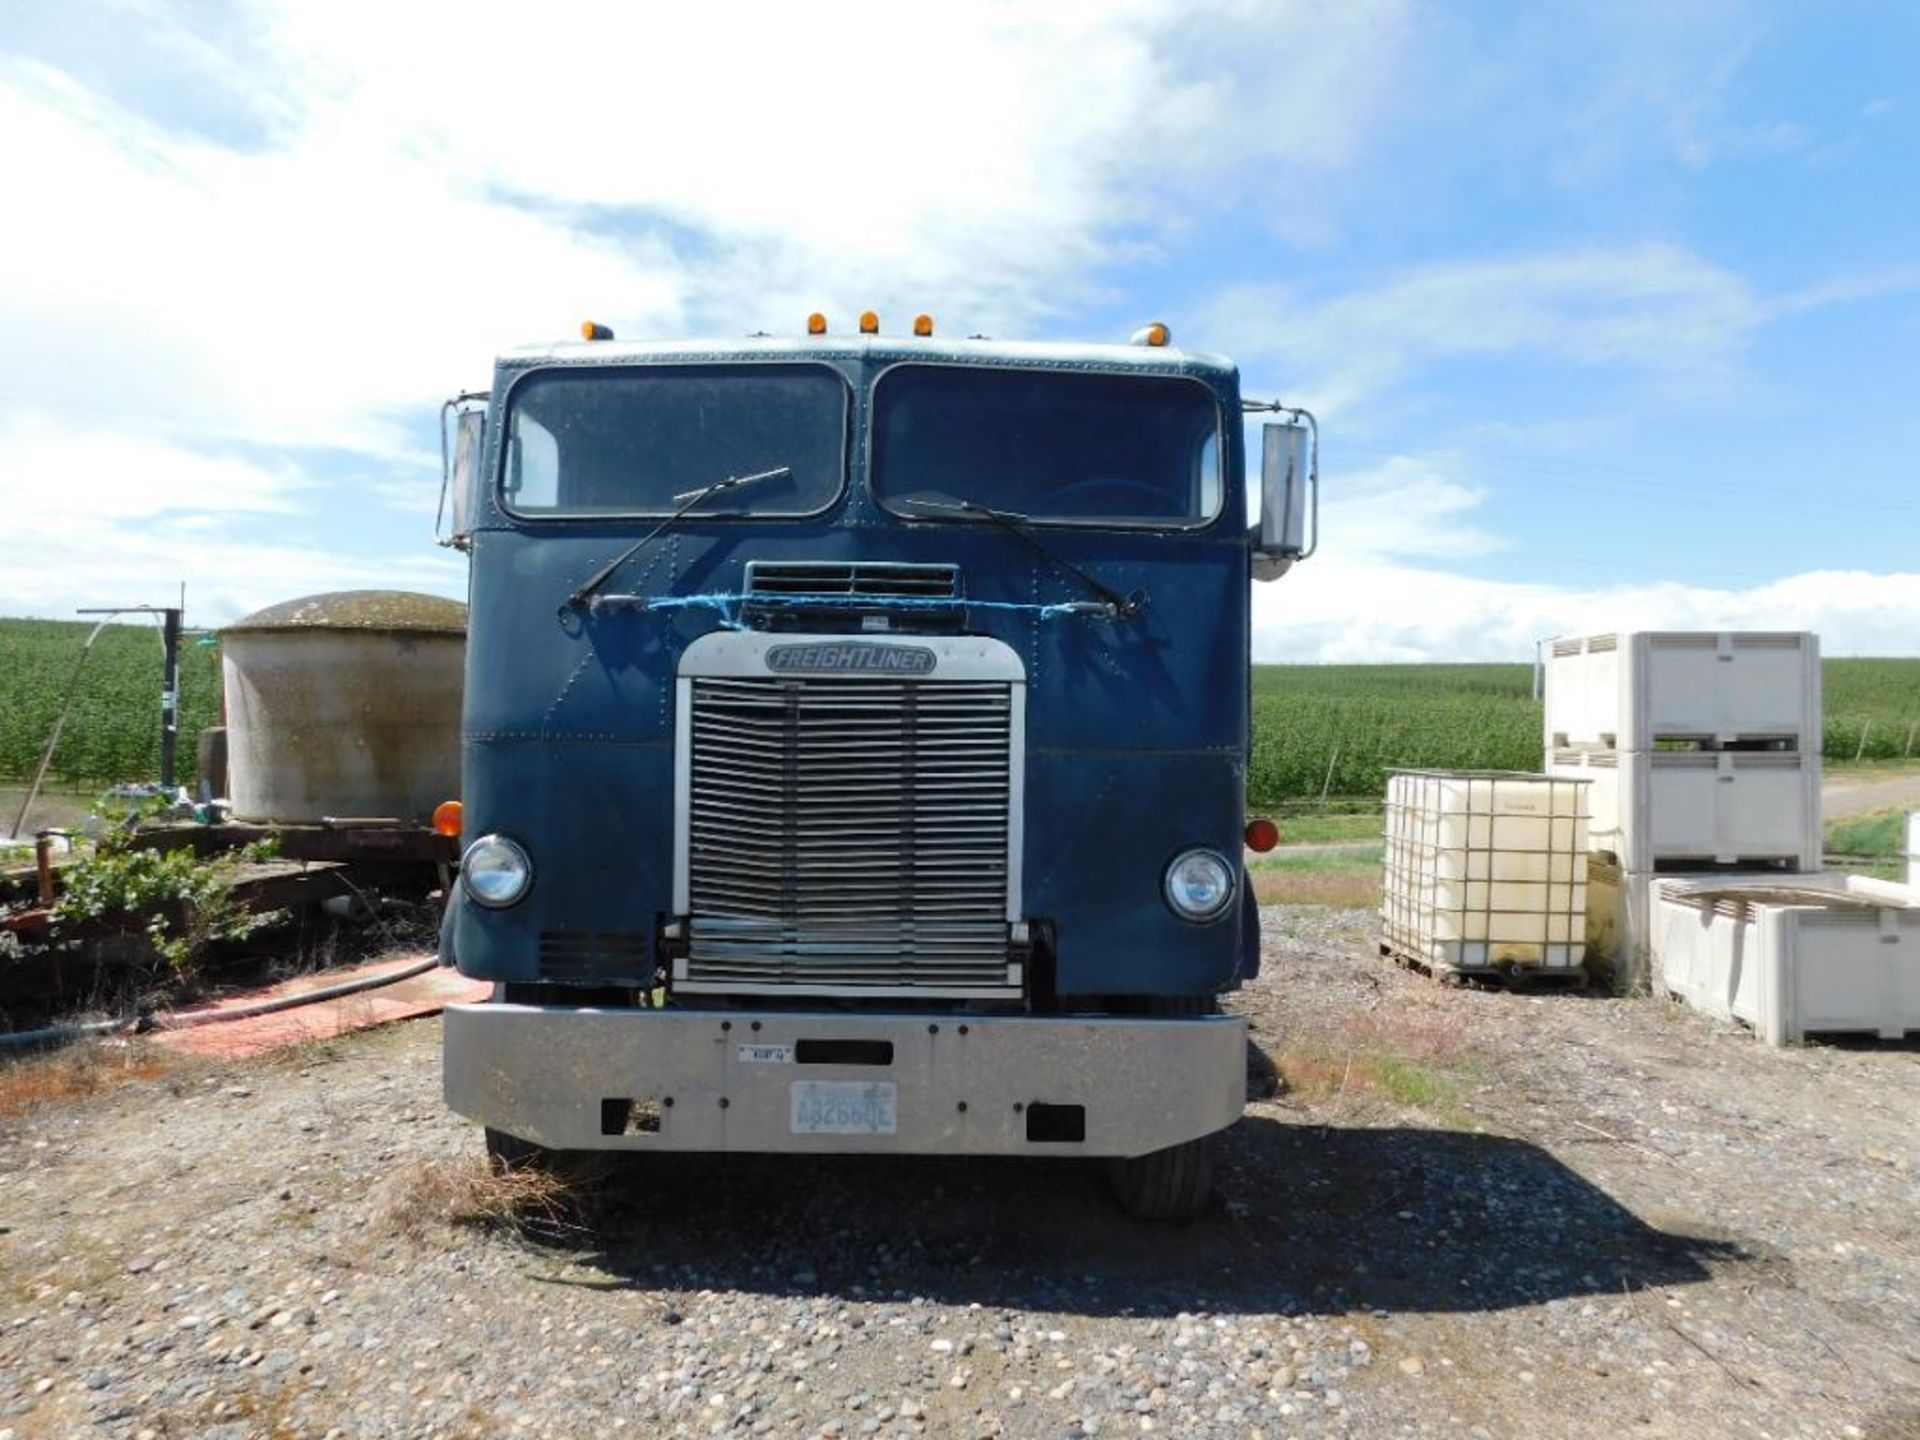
{"points": [[849, 834]]}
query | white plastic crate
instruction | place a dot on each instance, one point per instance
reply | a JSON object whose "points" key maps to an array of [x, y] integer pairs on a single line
{"points": [[1630, 689], [1485, 871], [1793, 956], [1668, 809]]}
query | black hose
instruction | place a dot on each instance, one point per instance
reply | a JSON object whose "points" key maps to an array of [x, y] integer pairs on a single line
{"points": [[289, 1002], [61, 1034]]}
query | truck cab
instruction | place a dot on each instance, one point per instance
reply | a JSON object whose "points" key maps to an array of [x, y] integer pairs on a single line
{"points": [[854, 747]]}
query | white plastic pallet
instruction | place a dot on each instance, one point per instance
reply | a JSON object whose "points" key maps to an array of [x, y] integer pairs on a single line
{"points": [[1792, 956], [1629, 690], [1666, 809]]}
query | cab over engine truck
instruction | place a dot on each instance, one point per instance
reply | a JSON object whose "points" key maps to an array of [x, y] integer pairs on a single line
{"points": [[855, 747]]}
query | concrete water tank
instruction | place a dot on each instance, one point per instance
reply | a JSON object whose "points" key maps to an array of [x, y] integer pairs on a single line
{"points": [[345, 706]]}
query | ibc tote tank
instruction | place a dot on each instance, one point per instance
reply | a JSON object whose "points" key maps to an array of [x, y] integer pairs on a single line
{"points": [[345, 705], [1485, 871]]}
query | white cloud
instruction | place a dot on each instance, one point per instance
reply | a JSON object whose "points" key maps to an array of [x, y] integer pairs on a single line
{"points": [[1406, 507], [98, 518], [416, 187], [1374, 594], [303, 296], [56, 476], [1657, 308], [266, 230], [1333, 610], [259, 228]]}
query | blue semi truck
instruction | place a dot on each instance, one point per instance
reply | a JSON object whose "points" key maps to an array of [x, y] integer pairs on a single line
{"points": [[855, 745]]}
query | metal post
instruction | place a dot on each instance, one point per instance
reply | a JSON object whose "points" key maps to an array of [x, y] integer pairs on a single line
{"points": [[170, 700]]}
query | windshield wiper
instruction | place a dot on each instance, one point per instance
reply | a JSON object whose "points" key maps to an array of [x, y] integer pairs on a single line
{"points": [[688, 499], [1125, 607]]}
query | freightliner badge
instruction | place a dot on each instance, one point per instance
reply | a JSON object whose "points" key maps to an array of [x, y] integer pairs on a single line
{"points": [[828, 657]]}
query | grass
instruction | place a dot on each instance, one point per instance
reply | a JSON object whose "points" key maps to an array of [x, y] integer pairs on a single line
{"points": [[1875, 834], [77, 1071], [1869, 770], [1340, 879], [1329, 829], [1873, 842], [1412, 1063], [472, 1194]]}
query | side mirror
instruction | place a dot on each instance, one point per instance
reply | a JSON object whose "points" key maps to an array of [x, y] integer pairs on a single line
{"points": [[459, 469], [1289, 496]]}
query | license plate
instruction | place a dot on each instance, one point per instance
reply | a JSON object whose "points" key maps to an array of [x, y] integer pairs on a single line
{"points": [[845, 1107]]}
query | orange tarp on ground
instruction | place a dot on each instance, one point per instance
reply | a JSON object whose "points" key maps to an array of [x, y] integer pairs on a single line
{"points": [[425, 994]]}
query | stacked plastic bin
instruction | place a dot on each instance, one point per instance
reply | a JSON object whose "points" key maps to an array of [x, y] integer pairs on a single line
{"points": [[1704, 752]]}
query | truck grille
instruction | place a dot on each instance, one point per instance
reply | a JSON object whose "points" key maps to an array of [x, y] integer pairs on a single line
{"points": [[848, 835]]}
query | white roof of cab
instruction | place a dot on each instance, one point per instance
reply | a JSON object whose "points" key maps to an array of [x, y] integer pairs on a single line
{"points": [[1165, 360]]}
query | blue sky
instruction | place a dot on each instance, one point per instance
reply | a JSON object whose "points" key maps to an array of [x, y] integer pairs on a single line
{"points": [[1611, 312]]}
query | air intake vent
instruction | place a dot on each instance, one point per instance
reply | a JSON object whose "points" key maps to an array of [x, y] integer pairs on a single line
{"points": [[838, 597], [854, 579]]}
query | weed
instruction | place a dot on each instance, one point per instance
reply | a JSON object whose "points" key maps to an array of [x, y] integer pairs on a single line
{"points": [[79, 1070], [472, 1194], [180, 901], [1419, 1065], [1876, 834]]}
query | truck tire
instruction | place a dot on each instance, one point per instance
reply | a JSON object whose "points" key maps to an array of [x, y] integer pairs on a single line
{"points": [[1171, 1184]]}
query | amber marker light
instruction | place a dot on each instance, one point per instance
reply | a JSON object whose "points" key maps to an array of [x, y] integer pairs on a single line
{"points": [[1262, 836], [869, 323], [594, 330], [448, 816], [923, 325], [816, 324]]}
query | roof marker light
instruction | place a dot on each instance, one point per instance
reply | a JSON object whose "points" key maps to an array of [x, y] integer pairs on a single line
{"points": [[816, 324], [869, 323], [923, 325], [594, 330], [1155, 333]]}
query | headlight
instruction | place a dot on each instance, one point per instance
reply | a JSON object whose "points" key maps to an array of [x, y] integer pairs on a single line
{"points": [[496, 870], [1199, 885]]}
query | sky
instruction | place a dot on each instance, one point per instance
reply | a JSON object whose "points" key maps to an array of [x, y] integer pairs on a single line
{"points": [[1610, 313]]}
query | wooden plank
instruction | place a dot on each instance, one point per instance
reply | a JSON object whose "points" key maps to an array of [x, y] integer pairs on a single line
{"points": [[366, 841]]}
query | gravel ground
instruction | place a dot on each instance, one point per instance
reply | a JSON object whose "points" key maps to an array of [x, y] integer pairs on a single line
{"points": [[1458, 1213]]}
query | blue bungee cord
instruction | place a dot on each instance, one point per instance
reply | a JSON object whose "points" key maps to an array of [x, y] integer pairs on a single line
{"points": [[727, 605]]}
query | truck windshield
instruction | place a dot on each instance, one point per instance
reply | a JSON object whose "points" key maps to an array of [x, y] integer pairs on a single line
{"points": [[1057, 448], [624, 440]]}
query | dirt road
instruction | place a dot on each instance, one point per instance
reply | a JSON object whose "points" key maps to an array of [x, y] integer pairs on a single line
{"points": [[1857, 793], [1465, 1213]]}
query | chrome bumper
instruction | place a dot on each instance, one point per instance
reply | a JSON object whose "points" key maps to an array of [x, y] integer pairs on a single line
{"points": [[964, 1085]]}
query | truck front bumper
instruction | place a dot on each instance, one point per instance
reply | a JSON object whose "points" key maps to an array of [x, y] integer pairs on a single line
{"points": [[734, 1080]]}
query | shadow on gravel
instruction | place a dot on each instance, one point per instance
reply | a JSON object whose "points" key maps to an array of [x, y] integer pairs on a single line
{"points": [[1314, 1219]]}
